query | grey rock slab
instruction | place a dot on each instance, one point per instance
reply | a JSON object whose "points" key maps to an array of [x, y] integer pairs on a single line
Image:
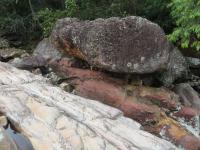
{"points": [[188, 95], [47, 50], [56, 120]]}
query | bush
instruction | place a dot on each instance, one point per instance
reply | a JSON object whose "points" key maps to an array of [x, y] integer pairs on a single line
{"points": [[155, 10], [47, 18], [186, 13], [17, 23], [83, 9]]}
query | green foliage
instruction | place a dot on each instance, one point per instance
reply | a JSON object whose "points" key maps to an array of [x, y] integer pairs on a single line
{"points": [[16, 20], [155, 10], [47, 18], [92, 9], [187, 16], [83, 9], [19, 17], [71, 7]]}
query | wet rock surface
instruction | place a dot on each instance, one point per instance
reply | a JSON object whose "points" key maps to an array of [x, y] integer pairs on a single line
{"points": [[131, 45]]}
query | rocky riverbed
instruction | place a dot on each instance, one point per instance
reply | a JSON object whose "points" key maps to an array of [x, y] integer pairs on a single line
{"points": [[85, 68]]}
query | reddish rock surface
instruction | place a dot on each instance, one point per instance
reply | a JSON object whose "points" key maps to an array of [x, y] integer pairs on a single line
{"points": [[189, 142], [99, 86], [171, 130], [187, 113], [145, 104]]}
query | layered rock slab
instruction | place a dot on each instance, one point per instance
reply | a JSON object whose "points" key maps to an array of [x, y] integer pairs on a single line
{"points": [[129, 45], [55, 120], [147, 105]]}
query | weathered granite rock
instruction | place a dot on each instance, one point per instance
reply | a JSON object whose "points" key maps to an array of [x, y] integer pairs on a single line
{"points": [[144, 104], [3, 121], [130, 45], [193, 62], [115, 92], [177, 67], [47, 50], [7, 54], [194, 65], [29, 62], [188, 95], [55, 120], [4, 43]]}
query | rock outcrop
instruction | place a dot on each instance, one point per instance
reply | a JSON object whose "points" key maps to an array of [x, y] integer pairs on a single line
{"points": [[188, 95], [4, 43], [7, 54], [55, 120], [47, 50], [177, 68], [147, 105], [127, 45], [29, 62]]}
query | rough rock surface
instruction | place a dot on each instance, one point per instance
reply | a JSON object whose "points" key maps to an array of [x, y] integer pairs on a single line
{"points": [[4, 43], [55, 120], [147, 105], [130, 45], [29, 62], [7, 54], [177, 67], [188, 95], [47, 50], [193, 62]]}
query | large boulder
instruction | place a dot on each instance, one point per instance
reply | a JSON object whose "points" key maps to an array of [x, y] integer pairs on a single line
{"points": [[29, 62], [147, 105], [55, 120], [129, 45], [193, 62]]}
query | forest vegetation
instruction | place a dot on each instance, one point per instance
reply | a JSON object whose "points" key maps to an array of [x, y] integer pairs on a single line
{"points": [[25, 21]]}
